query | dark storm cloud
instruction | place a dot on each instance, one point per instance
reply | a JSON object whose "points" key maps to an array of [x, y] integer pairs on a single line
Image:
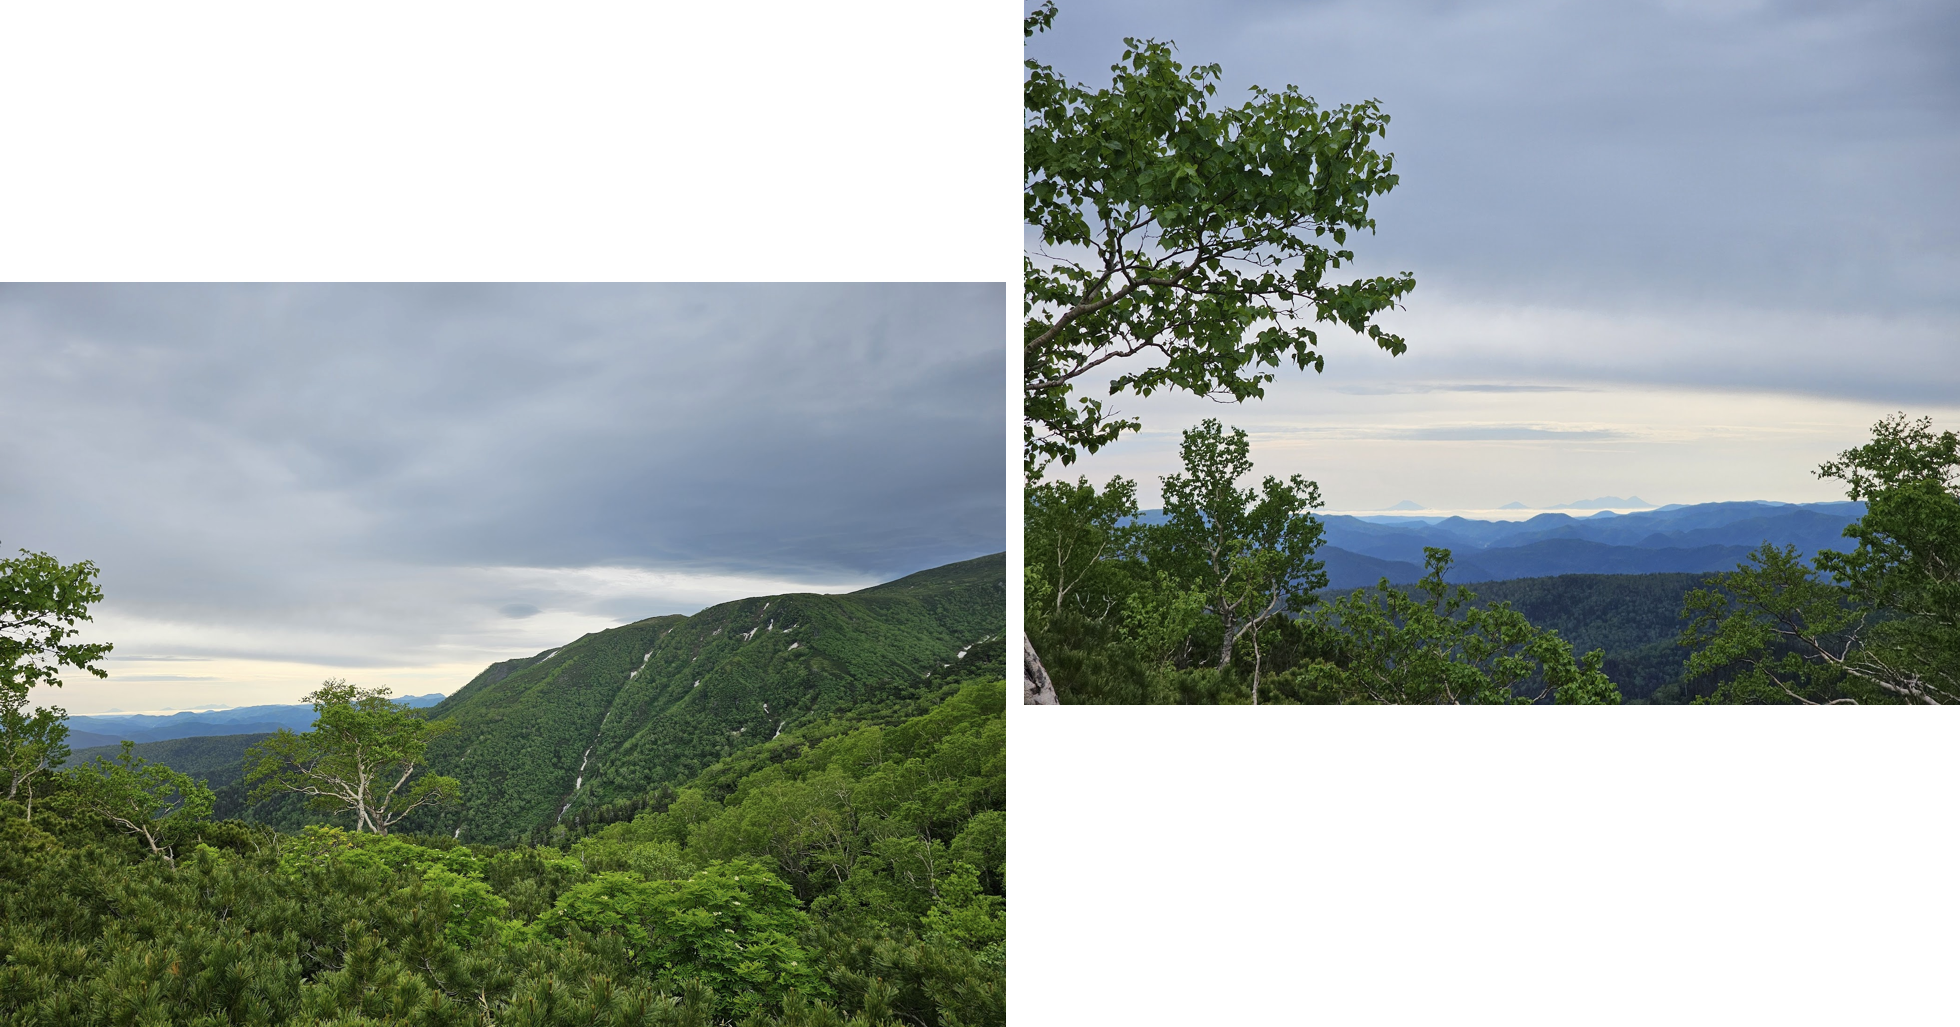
{"points": [[231, 441], [1634, 159]]}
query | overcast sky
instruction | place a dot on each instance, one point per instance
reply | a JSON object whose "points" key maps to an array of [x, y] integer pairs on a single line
{"points": [[401, 484], [1683, 250]]}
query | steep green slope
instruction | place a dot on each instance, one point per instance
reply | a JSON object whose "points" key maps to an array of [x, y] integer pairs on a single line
{"points": [[522, 725], [618, 712]]}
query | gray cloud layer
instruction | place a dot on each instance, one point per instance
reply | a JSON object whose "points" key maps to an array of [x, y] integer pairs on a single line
{"points": [[1693, 166], [219, 447]]}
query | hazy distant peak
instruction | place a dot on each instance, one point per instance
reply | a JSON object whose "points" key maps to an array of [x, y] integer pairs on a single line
{"points": [[1408, 504], [1514, 505]]}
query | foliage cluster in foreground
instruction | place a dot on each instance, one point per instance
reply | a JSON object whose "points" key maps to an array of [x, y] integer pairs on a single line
{"points": [[854, 879], [1880, 623], [1218, 604]]}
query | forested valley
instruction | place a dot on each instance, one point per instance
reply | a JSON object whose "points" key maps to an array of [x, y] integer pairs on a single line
{"points": [[784, 810], [1220, 598]]}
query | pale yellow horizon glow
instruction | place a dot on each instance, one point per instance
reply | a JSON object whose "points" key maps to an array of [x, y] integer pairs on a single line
{"points": [[132, 686], [1460, 451]]}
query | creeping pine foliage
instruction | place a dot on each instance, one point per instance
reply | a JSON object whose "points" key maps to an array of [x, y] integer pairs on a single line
{"points": [[732, 926], [848, 876], [1201, 239], [847, 872], [1879, 623]]}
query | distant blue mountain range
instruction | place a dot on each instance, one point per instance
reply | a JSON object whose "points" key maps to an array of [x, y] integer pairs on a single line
{"points": [[111, 728], [1702, 537]]}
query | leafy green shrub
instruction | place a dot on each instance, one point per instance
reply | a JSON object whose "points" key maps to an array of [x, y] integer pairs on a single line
{"points": [[731, 926]]}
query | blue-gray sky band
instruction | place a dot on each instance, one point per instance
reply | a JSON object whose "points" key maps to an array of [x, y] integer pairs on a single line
{"points": [[1703, 162], [327, 473]]}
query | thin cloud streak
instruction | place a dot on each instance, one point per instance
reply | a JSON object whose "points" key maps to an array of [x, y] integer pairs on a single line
{"points": [[1684, 251], [370, 476], [1739, 198], [1479, 451]]}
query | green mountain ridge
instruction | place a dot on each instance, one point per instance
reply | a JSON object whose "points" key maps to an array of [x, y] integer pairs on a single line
{"points": [[216, 760], [618, 713]]}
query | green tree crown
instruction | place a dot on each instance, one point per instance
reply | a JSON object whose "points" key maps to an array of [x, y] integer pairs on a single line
{"points": [[42, 602], [1880, 623], [1250, 551], [148, 800], [1435, 645], [359, 760], [1201, 239]]}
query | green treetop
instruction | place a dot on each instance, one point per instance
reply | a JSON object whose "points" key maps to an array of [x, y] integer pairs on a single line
{"points": [[360, 759], [1249, 550], [148, 800], [1880, 623], [1434, 645], [1199, 239], [42, 602]]}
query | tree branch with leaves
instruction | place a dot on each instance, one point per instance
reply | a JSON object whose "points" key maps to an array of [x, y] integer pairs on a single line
{"points": [[43, 602], [1201, 239], [148, 800], [1879, 623]]}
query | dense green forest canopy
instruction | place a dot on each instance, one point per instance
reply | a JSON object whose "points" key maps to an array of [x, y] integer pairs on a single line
{"points": [[1216, 603], [1870, 621], [1634, 619], [847, 869], [588, 730], [846, 873], [522, 729], [217, 761]]}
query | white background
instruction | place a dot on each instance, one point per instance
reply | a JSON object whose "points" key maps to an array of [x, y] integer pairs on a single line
{"points": [[1341, 866]]}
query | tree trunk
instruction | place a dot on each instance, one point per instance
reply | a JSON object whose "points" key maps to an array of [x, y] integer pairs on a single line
{"points": [[1255, 666], [1036, 689], [1225, 647]]}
